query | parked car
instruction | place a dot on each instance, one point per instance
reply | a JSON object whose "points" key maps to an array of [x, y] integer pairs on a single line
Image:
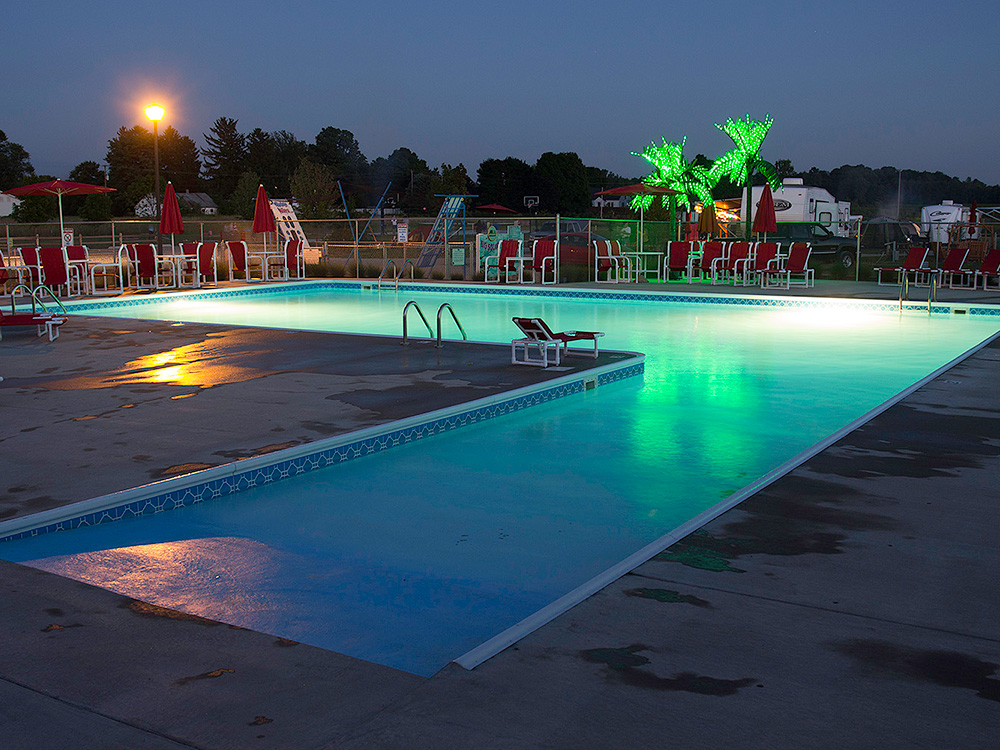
{"points": [[574, 247], [825, 244], [548, 229]]}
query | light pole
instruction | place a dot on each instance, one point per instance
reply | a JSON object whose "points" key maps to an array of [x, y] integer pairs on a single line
{"points": [[155, 113]]}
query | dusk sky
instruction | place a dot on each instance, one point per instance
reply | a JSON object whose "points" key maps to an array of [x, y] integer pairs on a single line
{"points": [[910, 85]]}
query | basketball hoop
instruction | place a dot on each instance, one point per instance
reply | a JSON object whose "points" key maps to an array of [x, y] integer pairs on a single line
{"points": [[531, 201]]}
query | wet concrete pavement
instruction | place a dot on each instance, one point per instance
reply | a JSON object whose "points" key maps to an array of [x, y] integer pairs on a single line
{"points": [[119, 404], [852, 603]]}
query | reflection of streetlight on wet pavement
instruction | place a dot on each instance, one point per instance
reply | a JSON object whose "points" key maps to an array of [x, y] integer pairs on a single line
{"points": [[155, 113]]}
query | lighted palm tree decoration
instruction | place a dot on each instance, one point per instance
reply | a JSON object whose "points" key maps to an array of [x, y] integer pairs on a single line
{"points": [[677, 173], [741, 163]]}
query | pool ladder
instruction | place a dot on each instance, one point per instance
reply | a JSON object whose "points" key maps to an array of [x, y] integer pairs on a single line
{"points": [[904, 291], [396, 278], [441, 309], [36, 298]]}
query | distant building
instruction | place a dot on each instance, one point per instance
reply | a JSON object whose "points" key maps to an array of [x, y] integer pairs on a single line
{"points": [[146, 208], [7, 204], [202, 201], [612, 201]]}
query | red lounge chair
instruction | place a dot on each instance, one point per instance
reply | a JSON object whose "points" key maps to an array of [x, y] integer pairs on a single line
{"points": [[710, 252], [548, 347], [726, 270], [29, 259], [508, 250], [58, 273], [288, 263], [678, 260], [19, 274], [545, 254], [765, 258], [990, 268], [952, 267], [795, 271], [915, 259], [241, 261], [609, 257], [45, 322], [149, 271]]}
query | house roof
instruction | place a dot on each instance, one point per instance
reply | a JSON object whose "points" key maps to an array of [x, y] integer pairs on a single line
{"points": [[202, 200]]}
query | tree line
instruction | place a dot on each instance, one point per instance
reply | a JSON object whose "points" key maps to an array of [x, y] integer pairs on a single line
{"points": [[332, 169]]}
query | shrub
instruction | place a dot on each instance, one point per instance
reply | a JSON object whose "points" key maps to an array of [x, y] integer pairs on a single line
{"points": [[437, 275]]}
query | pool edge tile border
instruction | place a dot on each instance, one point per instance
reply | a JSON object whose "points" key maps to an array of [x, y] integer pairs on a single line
{"points": [[236, 476], [664, 296], [490, 648]]}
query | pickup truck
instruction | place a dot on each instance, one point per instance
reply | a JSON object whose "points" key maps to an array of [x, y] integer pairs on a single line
{"points": [[824, 242]]}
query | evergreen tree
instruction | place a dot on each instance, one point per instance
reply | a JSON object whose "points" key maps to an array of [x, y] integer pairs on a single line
{"points": [[15, 166], [225, 157], [562, 183], [179, 161], [130, 167]]}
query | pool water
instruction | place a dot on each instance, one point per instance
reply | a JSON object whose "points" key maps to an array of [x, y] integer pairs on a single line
{"points": [[412, 557]]}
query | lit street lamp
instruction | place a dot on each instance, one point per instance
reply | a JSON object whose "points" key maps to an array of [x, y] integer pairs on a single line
{"points": [[155, 113]]}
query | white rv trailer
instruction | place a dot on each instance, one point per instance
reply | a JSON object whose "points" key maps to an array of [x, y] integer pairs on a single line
{"points": [[937, 222], [794, 201]]}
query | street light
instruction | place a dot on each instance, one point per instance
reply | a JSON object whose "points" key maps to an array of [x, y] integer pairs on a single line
{"points": [[155, 113]]}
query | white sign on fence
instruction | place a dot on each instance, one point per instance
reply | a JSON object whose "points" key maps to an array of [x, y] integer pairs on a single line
{"points": [[68, 237], [402, 231]]}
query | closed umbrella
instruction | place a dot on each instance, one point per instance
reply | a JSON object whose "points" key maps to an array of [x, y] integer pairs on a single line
{"points": [[59, 188], [972, 221], [764, 221], [170, 216], [707, 223], [263, 217]]}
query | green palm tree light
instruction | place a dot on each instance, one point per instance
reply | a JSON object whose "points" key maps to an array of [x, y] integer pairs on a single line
{"points": [[672, 170], [742, 162]]}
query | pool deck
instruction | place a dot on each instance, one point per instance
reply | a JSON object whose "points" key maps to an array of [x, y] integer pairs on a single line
{"points": [[852, 603], [119, 404]]}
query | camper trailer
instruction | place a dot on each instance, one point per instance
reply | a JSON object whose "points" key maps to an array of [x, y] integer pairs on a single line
{"points": [[794, 201], [938, 222]]}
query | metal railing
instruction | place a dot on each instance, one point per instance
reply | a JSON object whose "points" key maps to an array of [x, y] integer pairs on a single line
{"points": [[454, 317], [406, 307]]}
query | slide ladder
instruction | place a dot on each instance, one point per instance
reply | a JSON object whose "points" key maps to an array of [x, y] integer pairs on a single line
{"points": [[452, 208]]}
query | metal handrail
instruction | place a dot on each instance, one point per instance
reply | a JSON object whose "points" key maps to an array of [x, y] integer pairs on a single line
{"points": [[36, 300], [378, 286], [441, 309], [413, 269], [13, 294], [406, 307], [35, 294]]}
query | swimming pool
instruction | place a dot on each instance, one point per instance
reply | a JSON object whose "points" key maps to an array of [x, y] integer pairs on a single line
{"points": [[415, 556]]}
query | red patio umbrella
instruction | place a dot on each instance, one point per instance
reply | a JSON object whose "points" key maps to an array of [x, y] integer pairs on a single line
{"points": [[764, 221], [494, 207], [170, 216], [640, 188], [59, 188], [263, 218]]}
